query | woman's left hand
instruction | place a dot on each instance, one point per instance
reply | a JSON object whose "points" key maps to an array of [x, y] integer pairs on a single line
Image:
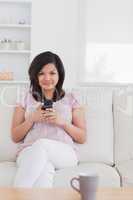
{"points": [[53, 117]]}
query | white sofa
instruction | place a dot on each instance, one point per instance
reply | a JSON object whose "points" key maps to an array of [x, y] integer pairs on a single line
{"points": [[108, 150]]}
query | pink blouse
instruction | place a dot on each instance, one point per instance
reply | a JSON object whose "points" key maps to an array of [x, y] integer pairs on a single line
{"points": [[46, 130]]}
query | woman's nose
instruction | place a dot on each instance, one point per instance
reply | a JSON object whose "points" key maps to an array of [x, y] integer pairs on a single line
{"points": [[47, 77]]}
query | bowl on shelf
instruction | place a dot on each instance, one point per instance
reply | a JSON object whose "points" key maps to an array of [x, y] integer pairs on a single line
{"points": [[6, 75]]}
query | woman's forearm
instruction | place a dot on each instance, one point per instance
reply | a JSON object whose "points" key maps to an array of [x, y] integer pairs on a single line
{"points": [[78, 134], [19, 132]]}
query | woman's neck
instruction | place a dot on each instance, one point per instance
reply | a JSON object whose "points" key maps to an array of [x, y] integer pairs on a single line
{"points": [[48, 94]]}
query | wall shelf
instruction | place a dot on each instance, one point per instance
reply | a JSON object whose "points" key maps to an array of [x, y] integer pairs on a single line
{"points": [[13, 82], [15, 26], [15, 52], [15, 38], [15, 1]]}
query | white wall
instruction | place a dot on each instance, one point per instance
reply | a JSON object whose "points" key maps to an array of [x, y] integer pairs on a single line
{"points": [[106, 39], [55, 28], [109, 21], [68, 27]]}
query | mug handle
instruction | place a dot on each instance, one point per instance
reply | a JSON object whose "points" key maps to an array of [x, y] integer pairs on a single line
{"points": [[72, 181]]}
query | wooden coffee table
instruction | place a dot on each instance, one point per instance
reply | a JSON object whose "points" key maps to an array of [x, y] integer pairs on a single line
{"points": [[115, 194], [63, 194]]}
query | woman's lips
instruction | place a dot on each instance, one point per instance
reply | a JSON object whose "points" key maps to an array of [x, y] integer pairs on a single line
{"points": [[47, 84]]}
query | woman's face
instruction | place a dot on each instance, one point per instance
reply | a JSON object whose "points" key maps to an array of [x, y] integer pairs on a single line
{"points": [[48, 77]]}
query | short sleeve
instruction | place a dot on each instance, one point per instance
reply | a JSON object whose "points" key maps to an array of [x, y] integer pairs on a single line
{"points": [[75, 100], [22, 98]]}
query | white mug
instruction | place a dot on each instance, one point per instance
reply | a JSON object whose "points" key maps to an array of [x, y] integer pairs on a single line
{"points": [[87, 185]]}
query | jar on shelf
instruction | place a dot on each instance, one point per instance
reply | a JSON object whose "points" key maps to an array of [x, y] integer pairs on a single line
{"points": [[1, 44], [5, 44], [20, 45], [13, 45]]}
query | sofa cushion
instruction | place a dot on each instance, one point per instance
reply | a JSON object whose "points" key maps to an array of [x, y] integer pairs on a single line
{"points": [[7, 173], [98, 107], [123, 123], [108, 176], [126, 172], [8, 97]]}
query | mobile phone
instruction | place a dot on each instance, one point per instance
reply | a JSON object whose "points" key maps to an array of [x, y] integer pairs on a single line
{"points": [[47, 104]]}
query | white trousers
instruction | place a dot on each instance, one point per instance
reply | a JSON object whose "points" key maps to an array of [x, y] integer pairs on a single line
{"points": [[36, 164]]}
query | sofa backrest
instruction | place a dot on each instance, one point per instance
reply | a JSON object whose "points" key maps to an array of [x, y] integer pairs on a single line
{"points": [[97, 100], [123, 124], [98, 106]]}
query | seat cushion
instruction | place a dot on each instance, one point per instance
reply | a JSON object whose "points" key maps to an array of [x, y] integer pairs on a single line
{"points": [[108, 175], [126, 172], [7, 173]]}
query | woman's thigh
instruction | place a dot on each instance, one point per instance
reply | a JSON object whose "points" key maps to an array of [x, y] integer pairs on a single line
{"points": [[32, 156], [59, 153]]}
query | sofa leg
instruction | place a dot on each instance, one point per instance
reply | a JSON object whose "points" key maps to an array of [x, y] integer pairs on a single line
{"points": [[121, 184]]}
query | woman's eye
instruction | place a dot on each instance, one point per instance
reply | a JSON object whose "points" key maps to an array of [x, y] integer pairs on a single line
{"points": [[40, 73]]}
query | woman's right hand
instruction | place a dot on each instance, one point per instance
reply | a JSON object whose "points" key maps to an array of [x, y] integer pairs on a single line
{"points": [[38, 115]]}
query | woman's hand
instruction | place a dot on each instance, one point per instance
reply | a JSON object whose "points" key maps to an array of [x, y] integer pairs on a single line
{"points": [[53, 117], [38, 115]]}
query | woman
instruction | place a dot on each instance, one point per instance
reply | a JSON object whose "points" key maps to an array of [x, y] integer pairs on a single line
{"points": [[47, 137]]}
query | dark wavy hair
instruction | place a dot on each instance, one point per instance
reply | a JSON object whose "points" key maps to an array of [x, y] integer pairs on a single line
{"points": [[36, 65]]}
